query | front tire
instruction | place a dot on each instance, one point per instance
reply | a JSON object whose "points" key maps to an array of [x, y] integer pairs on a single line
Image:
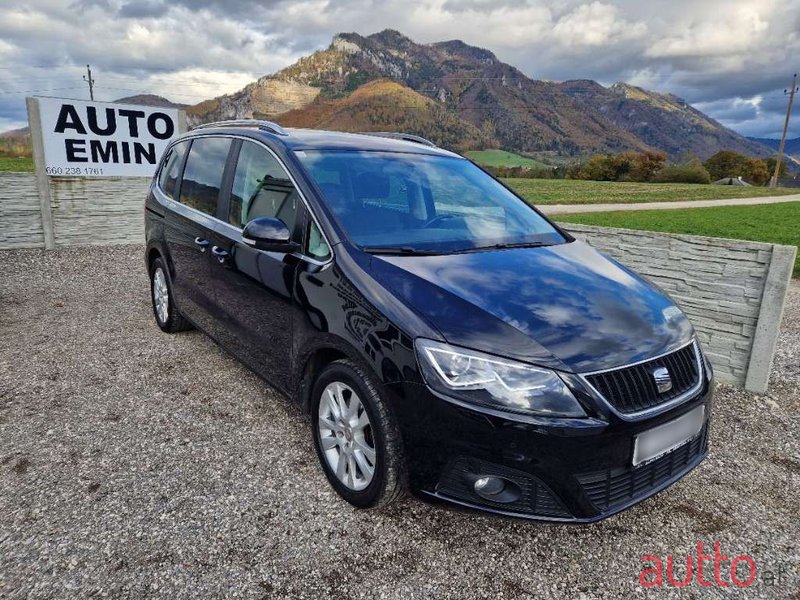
{"points": [[168, 318], [357, 439]]}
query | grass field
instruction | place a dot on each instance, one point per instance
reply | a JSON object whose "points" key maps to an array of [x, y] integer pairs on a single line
{"points": [[571, 191], [501, 158], [776, 223], [8, 163]]}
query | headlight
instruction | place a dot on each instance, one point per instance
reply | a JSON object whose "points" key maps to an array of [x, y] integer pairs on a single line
{"points": [[497, 383]]}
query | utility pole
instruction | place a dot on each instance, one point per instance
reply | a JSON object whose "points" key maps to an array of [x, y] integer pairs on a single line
{"points": [[774, 181], [88, 79]]}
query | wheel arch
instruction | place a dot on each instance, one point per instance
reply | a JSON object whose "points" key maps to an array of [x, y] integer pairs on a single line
{"points": [[158, 249], [313, 358], [152, 254]]}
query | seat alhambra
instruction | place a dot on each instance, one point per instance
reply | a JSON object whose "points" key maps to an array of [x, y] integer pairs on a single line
{"points": [[443, 335]]}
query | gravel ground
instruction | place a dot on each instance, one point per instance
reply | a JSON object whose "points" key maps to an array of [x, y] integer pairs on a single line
{"points": [[137, 464]]}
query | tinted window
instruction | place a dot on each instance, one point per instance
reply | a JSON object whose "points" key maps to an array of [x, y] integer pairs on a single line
{"points": [[423, 202], [168, 180], [202, 176], [261, 188]]}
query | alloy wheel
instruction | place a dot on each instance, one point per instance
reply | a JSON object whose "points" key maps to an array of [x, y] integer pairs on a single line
{"points": [[345, 435], [161, 295]]}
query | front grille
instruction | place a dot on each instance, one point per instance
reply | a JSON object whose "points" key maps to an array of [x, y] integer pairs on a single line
{"points": [[616, 487], [459, 478], [633, 389]]}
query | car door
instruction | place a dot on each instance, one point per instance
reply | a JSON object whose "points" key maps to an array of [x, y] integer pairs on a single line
{"points": [[254, 288], [189, 225]]}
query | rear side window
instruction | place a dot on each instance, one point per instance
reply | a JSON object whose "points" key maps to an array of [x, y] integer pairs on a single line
{"points": [[261, 188], [202, 177], [168, 180]]}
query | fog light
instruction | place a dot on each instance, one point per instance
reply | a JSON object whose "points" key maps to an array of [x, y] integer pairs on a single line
{"points": [[486, 487]]}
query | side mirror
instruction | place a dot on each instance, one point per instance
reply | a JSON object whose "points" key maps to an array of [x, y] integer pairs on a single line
{"points": [[268, 233]]}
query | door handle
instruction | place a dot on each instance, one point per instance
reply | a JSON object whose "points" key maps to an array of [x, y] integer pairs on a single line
{"points": [[202, 243], [219, 253]]}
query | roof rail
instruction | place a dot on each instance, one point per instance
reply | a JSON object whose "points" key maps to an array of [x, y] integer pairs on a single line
{"points": [[263, 125], [408, 137]]}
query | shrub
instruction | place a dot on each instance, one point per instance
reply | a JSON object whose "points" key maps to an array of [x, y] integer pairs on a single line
{"points": [[626, 166], [604, 167], [691, 172], [646, 165]]}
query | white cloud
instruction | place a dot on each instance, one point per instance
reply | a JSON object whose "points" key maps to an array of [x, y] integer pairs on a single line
{"points": [[734, 31], [596, 24]]}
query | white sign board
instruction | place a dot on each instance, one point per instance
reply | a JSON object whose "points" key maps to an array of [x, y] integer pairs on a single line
{"points": [[101, 139]]}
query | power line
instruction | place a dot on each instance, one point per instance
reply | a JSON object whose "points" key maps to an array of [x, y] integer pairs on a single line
{"points": [[42, 90]]}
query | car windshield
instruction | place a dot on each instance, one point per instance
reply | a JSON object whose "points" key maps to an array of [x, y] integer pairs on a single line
{"points": [[392, 202]]}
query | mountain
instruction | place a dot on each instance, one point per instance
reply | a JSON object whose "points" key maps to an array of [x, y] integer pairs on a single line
{"points": [[475, 89], [150, 100], [792, 147], [467, 82], [17, 134], [16, 142], [374, 107], [662, 121]]}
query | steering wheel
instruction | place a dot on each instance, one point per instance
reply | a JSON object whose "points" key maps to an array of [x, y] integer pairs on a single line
{"points": [[439, 219]]}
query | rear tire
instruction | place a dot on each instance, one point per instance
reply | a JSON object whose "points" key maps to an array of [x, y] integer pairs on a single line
{"points": [[167, 315], [356, 436]]}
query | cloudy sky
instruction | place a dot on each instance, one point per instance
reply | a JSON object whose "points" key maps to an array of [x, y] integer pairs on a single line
{"points": [[731, 59]]}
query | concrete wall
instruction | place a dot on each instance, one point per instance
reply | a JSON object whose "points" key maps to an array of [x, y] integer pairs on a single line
{"points": [[720, 284], [106, 210], [733, 291], [20, 214], [109, 209]]}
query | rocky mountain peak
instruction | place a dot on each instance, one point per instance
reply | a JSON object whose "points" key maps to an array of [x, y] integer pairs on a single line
{"points": [[462, 50], [470, 93], [392, 39]]}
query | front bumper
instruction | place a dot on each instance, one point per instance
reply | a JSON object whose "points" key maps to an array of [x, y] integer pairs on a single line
{"points": [[567, 470]]}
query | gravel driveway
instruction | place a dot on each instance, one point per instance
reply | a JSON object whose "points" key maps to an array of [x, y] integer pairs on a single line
{"points": [[138, 464]]}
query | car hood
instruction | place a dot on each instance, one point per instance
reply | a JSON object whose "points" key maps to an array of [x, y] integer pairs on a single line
{"points": [[566, 307]]}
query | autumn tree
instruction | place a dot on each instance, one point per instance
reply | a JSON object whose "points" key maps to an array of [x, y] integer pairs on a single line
{"points": [[727, 163], [645, 165], [771, 167], [626, 166]]}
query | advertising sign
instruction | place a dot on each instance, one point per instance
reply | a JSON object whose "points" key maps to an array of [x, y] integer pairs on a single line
{"points": [[102, 139]]}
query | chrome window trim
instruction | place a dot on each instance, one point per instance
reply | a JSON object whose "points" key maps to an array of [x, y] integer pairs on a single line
{"points": [[660, 408], [298, 254]]}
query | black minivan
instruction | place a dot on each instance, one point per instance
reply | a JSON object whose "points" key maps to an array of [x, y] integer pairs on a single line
{"points": [[444, 336]]}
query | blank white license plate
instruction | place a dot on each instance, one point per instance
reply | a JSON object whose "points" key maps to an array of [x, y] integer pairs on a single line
{"points": [[665, 438]]}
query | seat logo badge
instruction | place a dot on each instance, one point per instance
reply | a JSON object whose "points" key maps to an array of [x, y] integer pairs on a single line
{"points": [[662, 379]]}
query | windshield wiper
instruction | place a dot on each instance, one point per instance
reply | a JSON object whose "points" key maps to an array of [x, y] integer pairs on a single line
{"points": [[398, 250], [505, 246]]}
